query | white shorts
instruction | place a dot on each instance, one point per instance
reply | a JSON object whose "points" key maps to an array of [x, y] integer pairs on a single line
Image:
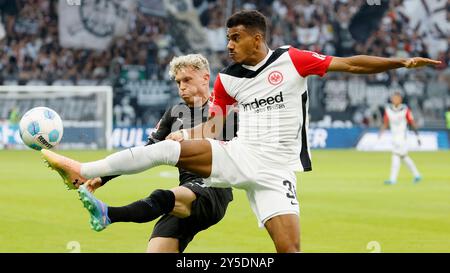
{"points": [[399, 146], [270, 187]]}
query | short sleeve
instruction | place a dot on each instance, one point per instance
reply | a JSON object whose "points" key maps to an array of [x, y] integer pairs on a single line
{"points": [[309, 63], [385, 117], [220, 100], [164, 126], [409, 116]]}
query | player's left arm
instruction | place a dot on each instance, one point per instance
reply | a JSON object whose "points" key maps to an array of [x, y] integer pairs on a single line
{"points": [[412, 124], [364, 64]]}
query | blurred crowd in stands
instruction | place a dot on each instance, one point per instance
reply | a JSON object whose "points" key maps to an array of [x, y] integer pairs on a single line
{"points": [[30, 52]]}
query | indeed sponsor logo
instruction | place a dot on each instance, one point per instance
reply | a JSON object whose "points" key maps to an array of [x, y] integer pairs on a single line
{"points": [[257, 103]]}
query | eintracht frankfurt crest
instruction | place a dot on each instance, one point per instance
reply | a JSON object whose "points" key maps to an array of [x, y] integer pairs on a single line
{"points": [[275, 77]]}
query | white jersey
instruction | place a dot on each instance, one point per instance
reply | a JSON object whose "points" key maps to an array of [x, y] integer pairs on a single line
{"points": [[398, 119], [273, 104]]}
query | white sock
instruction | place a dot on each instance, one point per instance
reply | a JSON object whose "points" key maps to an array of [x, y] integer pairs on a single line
{"points": [[134, 160], [395, 167], [411, 166]]}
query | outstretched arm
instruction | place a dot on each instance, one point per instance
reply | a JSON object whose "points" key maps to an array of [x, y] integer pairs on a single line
{"points": [[364, 64]]}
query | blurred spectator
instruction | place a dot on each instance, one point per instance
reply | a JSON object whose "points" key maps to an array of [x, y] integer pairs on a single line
{"points": [[14, 116], [8, 13], [216, 32], [124, 113]]}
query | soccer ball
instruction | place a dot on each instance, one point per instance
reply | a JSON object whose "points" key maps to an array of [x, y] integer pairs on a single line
{"points": [[41, 128]]}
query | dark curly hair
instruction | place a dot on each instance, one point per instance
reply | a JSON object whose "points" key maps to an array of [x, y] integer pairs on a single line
{"points": [[250, 19]]}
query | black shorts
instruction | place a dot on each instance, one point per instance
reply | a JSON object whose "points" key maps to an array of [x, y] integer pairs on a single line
{"points": [[208, 209]]}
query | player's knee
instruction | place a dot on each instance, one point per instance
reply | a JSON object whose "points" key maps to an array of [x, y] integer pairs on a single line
{"points": [[286, 243], [163, 245], [288, 246], [165, 199], [181, 209]]}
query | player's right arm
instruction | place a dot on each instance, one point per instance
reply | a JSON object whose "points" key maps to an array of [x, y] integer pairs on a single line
{"points": [[364, 64], [163, 128], [412, 123], [221, 103]]}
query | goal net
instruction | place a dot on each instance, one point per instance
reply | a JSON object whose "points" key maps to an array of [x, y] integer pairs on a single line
{"points": [[86, 112]]}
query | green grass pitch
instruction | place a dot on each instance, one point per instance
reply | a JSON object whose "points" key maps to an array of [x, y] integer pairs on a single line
{"points": [[343, 201]]}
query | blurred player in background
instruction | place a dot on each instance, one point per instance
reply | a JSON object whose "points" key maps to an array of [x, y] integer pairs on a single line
{"points": [[189, 208], [270, 88], [397, 116]]}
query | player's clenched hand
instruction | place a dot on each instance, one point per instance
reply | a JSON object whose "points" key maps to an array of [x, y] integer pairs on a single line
{"points": [[419, 142], [93, 184], [78, 182], [177, 136], [419, 62]]}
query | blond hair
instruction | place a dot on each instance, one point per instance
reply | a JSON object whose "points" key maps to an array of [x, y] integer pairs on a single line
{"points": [[196, 61]]}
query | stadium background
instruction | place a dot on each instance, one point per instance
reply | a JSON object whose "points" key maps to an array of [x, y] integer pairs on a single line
{"points": [[38, 48]]}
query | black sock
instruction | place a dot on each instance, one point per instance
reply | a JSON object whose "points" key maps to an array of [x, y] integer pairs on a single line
{"points": [[148, 209]]}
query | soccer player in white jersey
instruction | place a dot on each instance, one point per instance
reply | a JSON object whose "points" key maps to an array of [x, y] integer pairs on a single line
{"points": [[270, 89], [397, 116]]}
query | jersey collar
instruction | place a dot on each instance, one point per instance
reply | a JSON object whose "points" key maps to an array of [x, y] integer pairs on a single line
{"points": [[261, 63]]}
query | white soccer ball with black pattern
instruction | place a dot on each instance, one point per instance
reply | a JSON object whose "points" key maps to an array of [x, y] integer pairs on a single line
{"points": [[41, 128]]}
